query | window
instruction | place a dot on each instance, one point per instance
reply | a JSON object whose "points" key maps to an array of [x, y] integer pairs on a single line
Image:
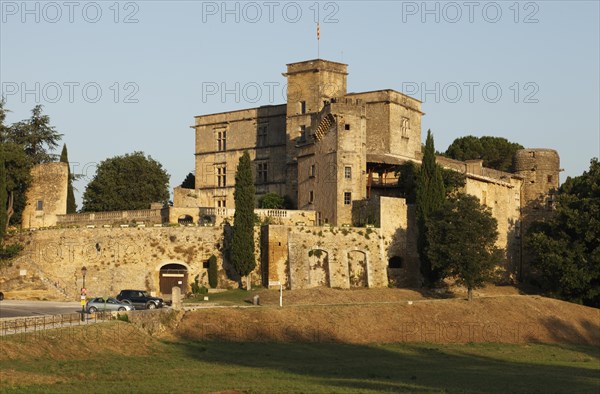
{"points": [[302, 107], [302, 133], [221, 140], [549, 178], [221, 202], [221, 175], [261, 173], [404, 127], [348, 172], [261, 138], [312, 171], [311, 197], [346, 126], [395, 262], [39, 206], [347, 198]]}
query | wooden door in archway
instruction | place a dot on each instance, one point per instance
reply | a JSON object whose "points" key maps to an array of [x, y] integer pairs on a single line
{"points": [[173, 275]]}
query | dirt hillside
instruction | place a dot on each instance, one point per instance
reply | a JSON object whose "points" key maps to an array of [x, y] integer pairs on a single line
{"points": [[405, 316]]}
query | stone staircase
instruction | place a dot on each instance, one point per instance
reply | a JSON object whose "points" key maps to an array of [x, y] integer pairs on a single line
{"points": [[324, 126]]}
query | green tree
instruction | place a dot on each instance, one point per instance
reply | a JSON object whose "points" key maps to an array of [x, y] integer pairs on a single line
{"points": [[430, 195], [496, 152], [407, 180], [128, 182], [4, 130], [71, 205], [461, 238], [213, 279], [3, 198], [409, 175], [566, 248], [189, 182], [242, 247], [37, 137], [25, 143], [18, 176], [271, 201], [3, 176]]}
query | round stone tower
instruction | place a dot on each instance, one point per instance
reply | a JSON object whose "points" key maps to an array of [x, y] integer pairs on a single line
{"points": [[540, 169]]}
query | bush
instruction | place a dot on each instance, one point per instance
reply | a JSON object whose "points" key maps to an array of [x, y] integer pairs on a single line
{"points": [[271, 201], [197, 288], [123, 317], [9, 252]]}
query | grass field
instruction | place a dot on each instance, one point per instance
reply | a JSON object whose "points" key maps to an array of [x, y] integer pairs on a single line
{"points": [[176, 366]]}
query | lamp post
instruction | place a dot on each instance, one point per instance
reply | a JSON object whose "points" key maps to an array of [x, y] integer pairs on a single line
{"points": [[83, 293]]}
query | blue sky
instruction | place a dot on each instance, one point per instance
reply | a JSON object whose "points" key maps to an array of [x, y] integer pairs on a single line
{"points": [[116, 77]]}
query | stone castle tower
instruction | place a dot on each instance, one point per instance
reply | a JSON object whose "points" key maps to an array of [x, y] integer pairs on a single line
{"points": [[311, 85], [47, 195], [540, 170]]}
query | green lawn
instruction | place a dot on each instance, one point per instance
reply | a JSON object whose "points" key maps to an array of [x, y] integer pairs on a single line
{"points": [[324, 368]]}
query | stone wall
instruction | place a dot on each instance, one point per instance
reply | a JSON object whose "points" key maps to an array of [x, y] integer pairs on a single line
{"points": [[393, 123], [115, 258], [242, 130], [46, 196], [341, 257], [185, 198], [136, 217], [218, 216]]}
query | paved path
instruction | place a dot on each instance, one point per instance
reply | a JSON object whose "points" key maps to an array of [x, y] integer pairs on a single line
{"points": [[21, 308]]}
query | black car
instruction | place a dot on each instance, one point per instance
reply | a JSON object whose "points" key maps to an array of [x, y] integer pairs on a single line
{"points": [[140, 299]]}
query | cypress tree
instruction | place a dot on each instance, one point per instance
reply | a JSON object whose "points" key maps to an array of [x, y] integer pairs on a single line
{"points": [[430, 197], [71, 205], [213, 279], [242, 248], [3, 198]]}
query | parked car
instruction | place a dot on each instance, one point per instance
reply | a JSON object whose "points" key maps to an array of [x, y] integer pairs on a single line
{"points": [[140, 299], [1, 296], [106, 305]]}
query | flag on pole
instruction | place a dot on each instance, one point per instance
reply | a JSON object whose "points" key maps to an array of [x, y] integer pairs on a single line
{"points": [[318, 31]]}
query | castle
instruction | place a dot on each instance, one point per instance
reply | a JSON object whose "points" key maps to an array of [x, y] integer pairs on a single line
{"points": [[335, 156]]}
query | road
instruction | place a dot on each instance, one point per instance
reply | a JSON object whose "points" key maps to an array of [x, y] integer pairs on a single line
{"points": [[19, 308]]}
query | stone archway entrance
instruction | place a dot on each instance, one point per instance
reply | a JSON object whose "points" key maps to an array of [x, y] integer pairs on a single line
{"points": [[173, 275]]}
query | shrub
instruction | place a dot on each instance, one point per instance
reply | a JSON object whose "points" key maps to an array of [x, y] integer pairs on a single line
{"points": [[123, 317], [8, 252]]}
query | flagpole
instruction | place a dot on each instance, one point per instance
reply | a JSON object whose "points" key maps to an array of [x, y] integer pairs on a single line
{"points": [[318, 41]]}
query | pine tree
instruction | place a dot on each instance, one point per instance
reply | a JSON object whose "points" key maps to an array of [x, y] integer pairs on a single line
{"points": [[242, 248], [71, 205], [462, 242], [430, 197]]}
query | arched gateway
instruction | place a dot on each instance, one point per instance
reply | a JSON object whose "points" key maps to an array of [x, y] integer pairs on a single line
{"points": [[173, 275]]}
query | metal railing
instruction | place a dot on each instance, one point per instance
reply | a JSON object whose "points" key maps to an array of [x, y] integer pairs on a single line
{"points": [[19, 325]]}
